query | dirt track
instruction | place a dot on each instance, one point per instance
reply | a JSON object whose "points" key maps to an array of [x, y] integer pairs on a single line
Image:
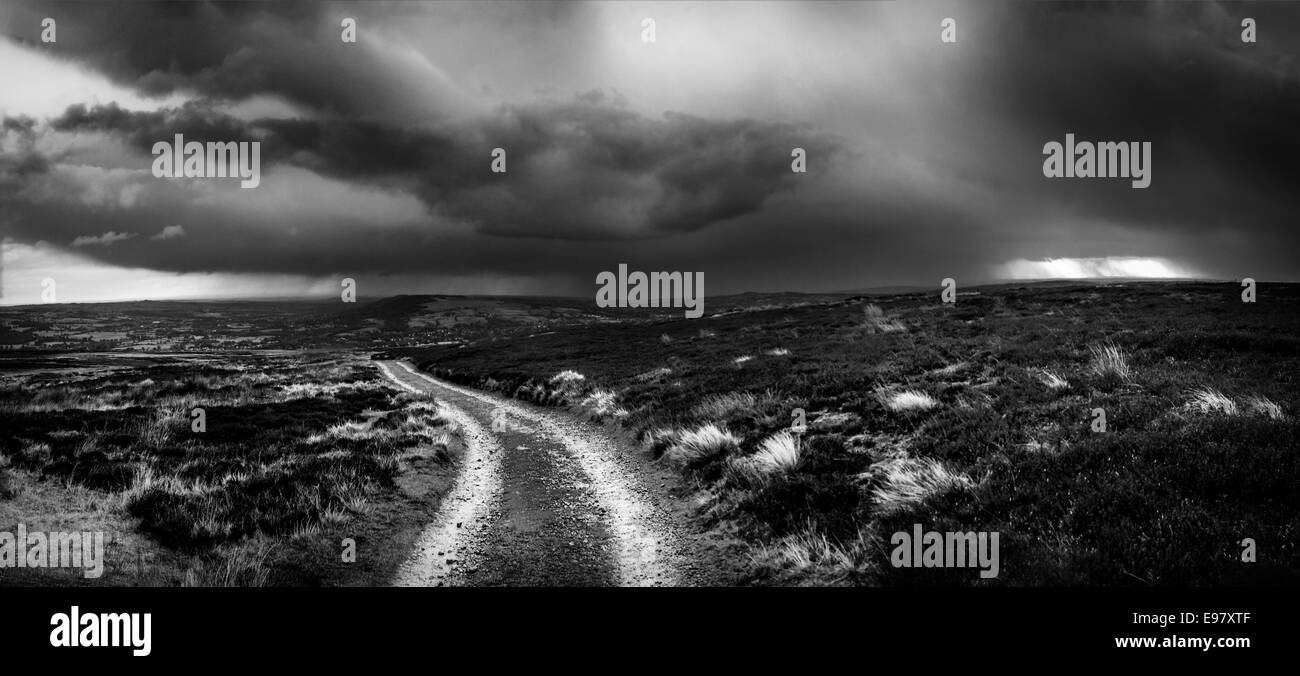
{"points": [[544, 500]]}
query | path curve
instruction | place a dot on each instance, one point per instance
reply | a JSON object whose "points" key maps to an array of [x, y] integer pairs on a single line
{"points": [[543, 500]]}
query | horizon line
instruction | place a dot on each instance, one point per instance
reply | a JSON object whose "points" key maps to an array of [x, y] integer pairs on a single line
{"points": [[887, 289]]}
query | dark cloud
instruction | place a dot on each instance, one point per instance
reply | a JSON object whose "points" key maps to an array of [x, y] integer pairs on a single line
{"points": [[939, 176], [143, 129], [21, 159], [235, 50], [582, 170]]}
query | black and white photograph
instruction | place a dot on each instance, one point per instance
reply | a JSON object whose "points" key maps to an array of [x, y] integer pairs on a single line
{"points": [[924, 300]]}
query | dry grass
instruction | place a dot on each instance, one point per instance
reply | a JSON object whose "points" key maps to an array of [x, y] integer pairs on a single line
{"points": [[659, 439], [1052, 380], [906, 400], [1109, 361], [242, 565], [156, 430], [950, 370], [908, 481], [350, 431], [566, 377], [1207, 400], [719, 406], [1210, 400], [654, 375], [309, 390], [305, 531], [777, 453], [810, 556], [875, 321], [700, 444], [334, 516], [1263, 406], [603, 404]]}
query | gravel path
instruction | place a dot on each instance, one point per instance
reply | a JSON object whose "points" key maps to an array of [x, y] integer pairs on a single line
{"points": [[543, 501], [457, 535]]}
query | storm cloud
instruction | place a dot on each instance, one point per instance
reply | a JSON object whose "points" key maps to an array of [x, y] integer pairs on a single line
{"points": [[924, 158]]}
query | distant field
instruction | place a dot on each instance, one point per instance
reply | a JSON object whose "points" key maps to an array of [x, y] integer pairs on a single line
{"points": [[298, 453], [973, 416], [220, 327]]}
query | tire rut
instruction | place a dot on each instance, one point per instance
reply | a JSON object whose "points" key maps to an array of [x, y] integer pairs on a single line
{"points": [[567, 508]]}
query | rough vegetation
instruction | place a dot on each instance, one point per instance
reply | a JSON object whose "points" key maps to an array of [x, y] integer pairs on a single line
{"points": [[969, 416], [290, 450]]}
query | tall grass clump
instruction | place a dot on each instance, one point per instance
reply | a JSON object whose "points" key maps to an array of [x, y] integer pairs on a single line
{"points": [[694, 447], [1110, 362], [777, 453], [241, 565], [602, 404], [1264, 406], [811, 557], [906, 400], [1210, 400], [909, 481]]}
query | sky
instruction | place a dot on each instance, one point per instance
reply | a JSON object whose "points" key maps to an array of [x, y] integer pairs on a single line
{"points": [[924, 158]]}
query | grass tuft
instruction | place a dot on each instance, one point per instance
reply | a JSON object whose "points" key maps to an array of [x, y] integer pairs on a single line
{"points": [[777, 453], [1052, 380], [701, 444], [907, 400], [1109, 361], [811, 557], [1210, 400], [1263, 406], [905, 482]]}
